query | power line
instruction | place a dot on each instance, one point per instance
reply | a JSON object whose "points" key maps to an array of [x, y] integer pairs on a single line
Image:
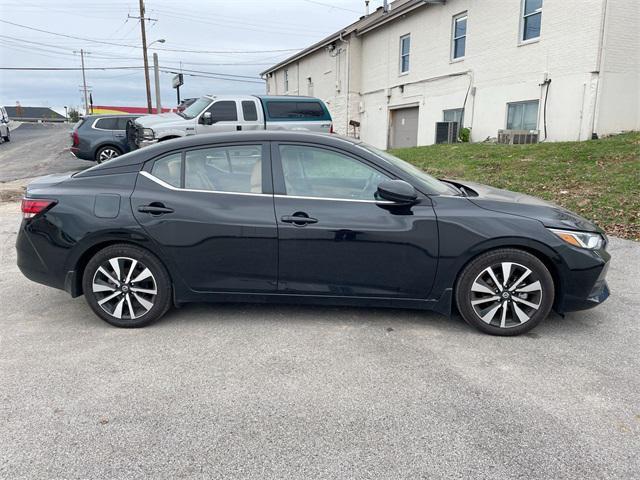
{"points": [[138, 46], [331, 6]]}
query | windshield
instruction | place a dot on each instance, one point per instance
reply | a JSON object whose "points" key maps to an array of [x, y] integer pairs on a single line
{"points": [[429, 183], [194, 110]]}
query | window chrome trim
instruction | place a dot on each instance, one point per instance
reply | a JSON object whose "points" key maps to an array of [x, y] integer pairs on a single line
{"points": [[299, 197], [168, 186], [95, 122]]}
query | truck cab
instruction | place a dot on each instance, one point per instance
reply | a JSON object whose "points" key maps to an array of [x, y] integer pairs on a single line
{"points": [[223, 114]]}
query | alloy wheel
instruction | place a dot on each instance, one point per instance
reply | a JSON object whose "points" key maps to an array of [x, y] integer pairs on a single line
{"points": [[124, 288], [506, 295], [107, 154]]}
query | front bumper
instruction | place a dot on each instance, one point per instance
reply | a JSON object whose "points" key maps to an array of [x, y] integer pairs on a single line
{"points": [[146, 143], [585, 286]]}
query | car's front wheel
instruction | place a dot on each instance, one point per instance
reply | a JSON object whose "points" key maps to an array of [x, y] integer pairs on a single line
{"points": [[107, 153], [127, 286], [505, 292], [7, 137]]}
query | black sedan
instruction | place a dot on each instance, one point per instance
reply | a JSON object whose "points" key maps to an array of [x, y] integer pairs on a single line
{"points": [[303, 218]]}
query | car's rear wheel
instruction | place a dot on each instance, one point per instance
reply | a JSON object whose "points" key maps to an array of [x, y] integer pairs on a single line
{"points": [[505, 292], [127, 286], [107, 153], [7, 138]]}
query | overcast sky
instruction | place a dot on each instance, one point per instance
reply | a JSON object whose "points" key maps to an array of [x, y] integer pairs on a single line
{"points": [[257, 26]]}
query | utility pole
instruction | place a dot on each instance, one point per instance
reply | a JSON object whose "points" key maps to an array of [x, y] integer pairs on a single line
{"points": [[84, 83], [144, 54], [156, 71]]}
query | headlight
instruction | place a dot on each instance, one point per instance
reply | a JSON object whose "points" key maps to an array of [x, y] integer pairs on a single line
{"points": [[147, 134], [588, 240]]}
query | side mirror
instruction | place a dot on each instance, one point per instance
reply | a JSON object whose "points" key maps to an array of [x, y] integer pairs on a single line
{"points": [[397, 191], [207, 118]]}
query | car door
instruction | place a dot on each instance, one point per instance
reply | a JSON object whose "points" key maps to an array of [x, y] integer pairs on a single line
{"points": [[336, 239], [224, 118], [120, 133], [211, 210]]}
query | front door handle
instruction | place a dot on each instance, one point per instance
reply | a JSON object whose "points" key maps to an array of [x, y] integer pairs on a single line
{"points": [[155, 209], [299, 218]]}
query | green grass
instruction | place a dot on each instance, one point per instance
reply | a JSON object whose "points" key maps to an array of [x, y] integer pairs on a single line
{"points": [[599, 179]]}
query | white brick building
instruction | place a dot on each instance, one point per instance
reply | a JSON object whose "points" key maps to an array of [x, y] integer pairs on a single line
{"points": [[400, 71]]}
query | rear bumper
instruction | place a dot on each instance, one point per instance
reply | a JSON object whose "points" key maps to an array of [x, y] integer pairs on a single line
{"points": [[31, 263]]}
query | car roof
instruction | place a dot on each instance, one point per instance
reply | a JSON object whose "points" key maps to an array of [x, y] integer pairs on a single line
{"points": [[142, 155]]}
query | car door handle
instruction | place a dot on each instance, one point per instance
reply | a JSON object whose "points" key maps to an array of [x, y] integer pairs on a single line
{"points": [[299, 220], [155, 209]]}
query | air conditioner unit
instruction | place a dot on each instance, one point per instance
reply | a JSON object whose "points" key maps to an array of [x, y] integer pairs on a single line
{"points": [[518, 137], [446, 132]]}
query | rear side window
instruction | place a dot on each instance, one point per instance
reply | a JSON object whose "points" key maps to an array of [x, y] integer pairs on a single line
{"points": [[224, 169], [224, 111], [249, 111], [106, 123], [168, 169], [295, 110]]}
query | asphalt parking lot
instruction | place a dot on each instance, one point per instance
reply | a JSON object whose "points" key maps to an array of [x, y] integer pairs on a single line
{"points": [[253, 391]]}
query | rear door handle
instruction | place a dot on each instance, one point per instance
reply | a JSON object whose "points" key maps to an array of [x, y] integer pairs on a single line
{"points": [[299, 220], [155, 209]]}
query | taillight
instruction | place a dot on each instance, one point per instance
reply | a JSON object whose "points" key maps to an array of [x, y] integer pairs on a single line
{"points": [[32, 207], [331, 129], [76, 138]]}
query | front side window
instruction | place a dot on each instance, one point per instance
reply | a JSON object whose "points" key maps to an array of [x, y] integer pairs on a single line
{"points": [[122, 122], [531, 23], [224, 111], [405, 52], [459, 36], [321, 173], [168, 169], [224, 169], [522, 115], [454, 115]]}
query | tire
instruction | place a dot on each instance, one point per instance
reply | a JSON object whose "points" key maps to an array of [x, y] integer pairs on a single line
{"points": [[491, 307], [8, 137], [126, 296], [107, 153]]}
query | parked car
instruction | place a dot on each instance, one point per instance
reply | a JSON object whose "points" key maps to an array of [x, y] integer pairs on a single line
{"points": [[219, 114], [184, 104], [303, 218], [101, 137], [5, 133]]}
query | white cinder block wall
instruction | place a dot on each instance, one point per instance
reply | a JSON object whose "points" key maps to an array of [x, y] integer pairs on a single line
{"points": [[589, 49]]}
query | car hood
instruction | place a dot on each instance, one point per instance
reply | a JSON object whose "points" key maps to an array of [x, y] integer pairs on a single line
{"points": [[162, 120], [505, 201]]}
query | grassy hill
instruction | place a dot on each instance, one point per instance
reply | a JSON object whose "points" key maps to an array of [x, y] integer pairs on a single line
{"points": [[599, 179]]}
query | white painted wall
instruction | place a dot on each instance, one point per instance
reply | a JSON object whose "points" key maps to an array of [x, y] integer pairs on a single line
{"points": [[497, 69], [619, 98]]}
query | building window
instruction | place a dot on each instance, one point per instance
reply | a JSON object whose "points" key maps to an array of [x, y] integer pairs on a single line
{"points": [[531, 22], [405, 51], [286, 81], [454, 115], [459, 36], [522, 115]]}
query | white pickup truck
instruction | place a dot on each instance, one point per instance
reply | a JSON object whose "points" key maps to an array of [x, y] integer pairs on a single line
{"points": [[215, 114]]}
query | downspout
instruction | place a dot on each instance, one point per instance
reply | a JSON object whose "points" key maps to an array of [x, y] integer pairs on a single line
{"points": [[598, 70], [348, 67]]}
